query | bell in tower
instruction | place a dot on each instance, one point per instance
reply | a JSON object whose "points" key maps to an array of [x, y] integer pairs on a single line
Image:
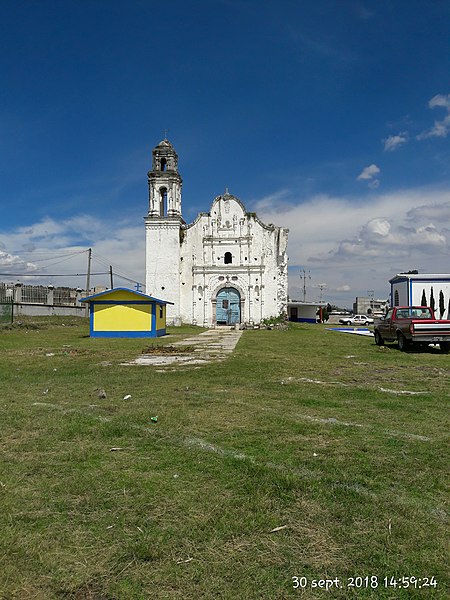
{"points": [[164, 182]]}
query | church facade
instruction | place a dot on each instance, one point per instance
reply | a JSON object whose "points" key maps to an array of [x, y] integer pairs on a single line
{"points": [[225, 268]]}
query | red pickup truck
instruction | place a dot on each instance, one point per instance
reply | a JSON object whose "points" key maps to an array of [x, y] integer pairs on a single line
{"points": [[412, 325]]}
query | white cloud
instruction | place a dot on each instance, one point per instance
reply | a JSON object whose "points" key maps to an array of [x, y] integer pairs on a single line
{"points": [[362, 244], [395, 141], [51, 246], [438, 212], [368, 172], [440, 100], [352, 246], [440, 128], [379, 238], [10, 262]]}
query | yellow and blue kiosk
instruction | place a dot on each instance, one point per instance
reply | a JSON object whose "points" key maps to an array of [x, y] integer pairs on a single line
{"points": [[122, 312]]}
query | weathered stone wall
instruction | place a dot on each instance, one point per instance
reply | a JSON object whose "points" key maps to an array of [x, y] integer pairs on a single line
{"points": [[258, 267], [163, 263]]}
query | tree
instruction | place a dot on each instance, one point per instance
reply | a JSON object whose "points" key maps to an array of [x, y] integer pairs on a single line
{"points": [[432, 303], [441, 304], [423, 302]]}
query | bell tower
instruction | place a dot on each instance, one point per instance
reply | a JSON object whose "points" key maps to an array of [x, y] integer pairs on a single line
{"points": [[164, 182], [163, 225]]}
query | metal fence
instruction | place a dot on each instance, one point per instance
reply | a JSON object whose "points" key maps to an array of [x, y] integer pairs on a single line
{"points": [[36, 294], [6, 292], [64, 295], [39, 294]]}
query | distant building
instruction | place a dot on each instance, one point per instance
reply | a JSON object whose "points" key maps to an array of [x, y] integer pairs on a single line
{"points": [[426, 289], [368, 306], [304, 312], [226, 267]]}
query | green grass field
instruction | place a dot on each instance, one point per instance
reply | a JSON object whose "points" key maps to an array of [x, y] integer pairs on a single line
{"points": [[306, 432]]}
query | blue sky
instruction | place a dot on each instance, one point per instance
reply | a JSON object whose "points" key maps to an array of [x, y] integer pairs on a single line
{"points": [[328, 117]]}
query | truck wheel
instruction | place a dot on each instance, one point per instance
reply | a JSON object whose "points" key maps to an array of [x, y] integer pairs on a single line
{"points": [[402, 342], [378, 339], [445, 347]]}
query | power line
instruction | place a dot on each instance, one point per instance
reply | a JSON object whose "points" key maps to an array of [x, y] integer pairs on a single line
{"points": [[102, 260], [66, 256], [49, 274], [128, 279], [48, 252], [57, 262]]}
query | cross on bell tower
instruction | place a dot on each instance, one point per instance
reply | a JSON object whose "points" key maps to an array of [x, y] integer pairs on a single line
{"points": [[164, 182]]}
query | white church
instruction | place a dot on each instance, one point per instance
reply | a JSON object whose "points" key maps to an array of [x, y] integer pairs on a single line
{"points": [[225, 268]]}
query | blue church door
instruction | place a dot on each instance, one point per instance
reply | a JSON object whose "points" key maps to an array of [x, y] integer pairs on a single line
{"points": [[228, 307]]}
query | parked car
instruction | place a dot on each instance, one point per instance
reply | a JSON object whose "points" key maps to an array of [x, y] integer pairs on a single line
{"points": [[357, 320], [412, 325]]}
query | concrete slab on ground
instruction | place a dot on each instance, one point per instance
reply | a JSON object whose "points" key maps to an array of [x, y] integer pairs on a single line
{"points": [[210, 346]]}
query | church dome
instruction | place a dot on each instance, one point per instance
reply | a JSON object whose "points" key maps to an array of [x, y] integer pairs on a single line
{"points": [[164, 144]]}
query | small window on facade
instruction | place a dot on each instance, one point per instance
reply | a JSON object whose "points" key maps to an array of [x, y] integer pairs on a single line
{"points": [[228, 259], [234, 278], [396, 298], [161, 311], [163, 164]]}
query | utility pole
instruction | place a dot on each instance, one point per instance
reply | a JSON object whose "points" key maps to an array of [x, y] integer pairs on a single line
{"points": [[111, 277], [321, 287], [88, 277], [304, 277], [370, 293]]}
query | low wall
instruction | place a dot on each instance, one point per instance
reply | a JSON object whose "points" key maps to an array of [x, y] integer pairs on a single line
{"points": [[46, 310]]}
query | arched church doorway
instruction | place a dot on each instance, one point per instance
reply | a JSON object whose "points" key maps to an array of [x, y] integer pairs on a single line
{"points": [[228, 307]]}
